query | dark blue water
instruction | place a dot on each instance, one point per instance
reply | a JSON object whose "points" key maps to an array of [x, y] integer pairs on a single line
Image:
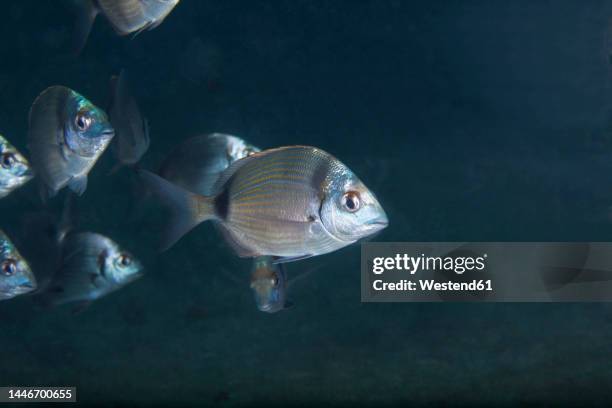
{"points": [[472, 120]]}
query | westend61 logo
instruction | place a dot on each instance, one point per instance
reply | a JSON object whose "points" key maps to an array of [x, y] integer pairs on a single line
{"points": [[413, 264]]}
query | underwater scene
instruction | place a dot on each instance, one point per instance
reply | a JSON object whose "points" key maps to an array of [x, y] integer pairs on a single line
{"points": [[185, 187]]}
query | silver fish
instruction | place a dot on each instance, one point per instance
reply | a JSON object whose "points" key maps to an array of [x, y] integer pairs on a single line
{"points": [[15, 169], [269, 285], [125, 16], [16, 277], [291, 202], [91, 266], [67, 135], [197, 163], [132, 131]]}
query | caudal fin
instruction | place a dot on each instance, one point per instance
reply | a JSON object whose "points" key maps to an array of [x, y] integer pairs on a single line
{"points": [[187, 209]]}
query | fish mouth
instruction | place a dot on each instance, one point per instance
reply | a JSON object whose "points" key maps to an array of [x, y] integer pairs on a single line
{"points": [[269, 308], [265, 307], [375, 226], [108, 133], [28, 173], [24, 288], [378, 222]]}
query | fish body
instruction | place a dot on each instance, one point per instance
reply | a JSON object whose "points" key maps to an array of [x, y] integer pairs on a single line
{"points": [[132, 131], [291, 203], [125, 16], [198, 162], [269, 285], [67, 134], [132, 16], [15, 169], [16, 277], [91, 266]]}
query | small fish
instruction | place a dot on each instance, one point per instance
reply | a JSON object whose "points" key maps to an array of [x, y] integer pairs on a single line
{"points": [[67, 135], [91, 266], [16, 277], [132, 131], [125, 16], [291, 202], [198, 162], [269, 285], [15, 169]]}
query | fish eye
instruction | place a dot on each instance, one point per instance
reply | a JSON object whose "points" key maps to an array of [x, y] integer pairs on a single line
{"points": [[351, 201], [83, 121], [274, 281], [8, 267], [125, 260], [8, 160]]}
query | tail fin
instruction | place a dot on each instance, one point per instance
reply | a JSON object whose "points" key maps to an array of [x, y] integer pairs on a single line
{"points": [[188, 209], [85, 14]]}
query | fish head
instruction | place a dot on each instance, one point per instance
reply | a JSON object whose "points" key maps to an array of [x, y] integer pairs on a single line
{"points": [[122, 267], [15, 170], [349, 210], [87, 128], [268, 284], [16, 277], [237, 148]]}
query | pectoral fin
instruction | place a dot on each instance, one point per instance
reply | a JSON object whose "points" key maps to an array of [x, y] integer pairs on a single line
{"points": [[78, 184]]}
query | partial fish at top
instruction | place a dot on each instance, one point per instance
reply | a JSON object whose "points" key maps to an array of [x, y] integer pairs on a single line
{"points": [[126, 16], [66, 137]]}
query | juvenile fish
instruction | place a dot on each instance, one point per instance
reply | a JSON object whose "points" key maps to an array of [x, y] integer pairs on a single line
{"points": [[269, 285], [132, 131], [291, 202], [91, 266], [125, 16], [16, 277], [66, 137], [198, 162], [15, 169]]}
